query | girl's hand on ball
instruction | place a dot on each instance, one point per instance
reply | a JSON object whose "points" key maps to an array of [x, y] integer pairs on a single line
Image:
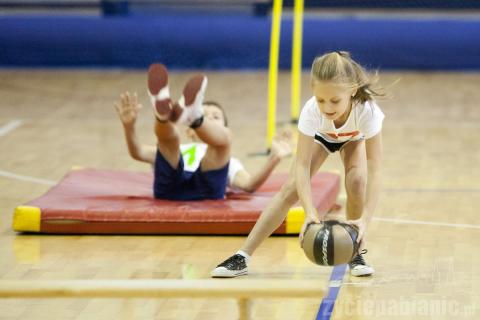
{"points": [[361, 225], [308, 220]]}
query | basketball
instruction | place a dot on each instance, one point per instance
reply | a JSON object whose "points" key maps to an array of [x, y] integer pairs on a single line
{"points": [[330, 243]]}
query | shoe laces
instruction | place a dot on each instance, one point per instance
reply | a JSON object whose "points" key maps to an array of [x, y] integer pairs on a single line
{"points": [[358, 259], [233, 260]]}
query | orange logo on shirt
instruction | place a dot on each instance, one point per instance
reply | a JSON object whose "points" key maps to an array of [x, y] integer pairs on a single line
{"points": [[343, 134]]}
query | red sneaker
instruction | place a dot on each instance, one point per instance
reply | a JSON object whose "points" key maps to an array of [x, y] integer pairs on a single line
{"points": [[190, 106], [159, 92]]}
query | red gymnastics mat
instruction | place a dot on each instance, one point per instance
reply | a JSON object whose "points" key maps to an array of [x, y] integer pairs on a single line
{"points": [[91, 201]]}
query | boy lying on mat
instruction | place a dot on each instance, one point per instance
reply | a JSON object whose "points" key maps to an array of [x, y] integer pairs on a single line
{"points": [[204, 168]]}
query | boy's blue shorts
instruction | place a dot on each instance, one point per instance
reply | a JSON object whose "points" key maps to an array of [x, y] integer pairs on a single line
{"points": [[178, 184]]}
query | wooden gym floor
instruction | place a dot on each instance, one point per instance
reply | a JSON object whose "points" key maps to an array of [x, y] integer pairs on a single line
{"points": [[424, 243]]}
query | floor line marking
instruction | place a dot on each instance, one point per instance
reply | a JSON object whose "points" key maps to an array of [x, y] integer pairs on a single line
{"points": [[15, 176], [433, 190], [10, 126], [334, 285], [429, 223]]}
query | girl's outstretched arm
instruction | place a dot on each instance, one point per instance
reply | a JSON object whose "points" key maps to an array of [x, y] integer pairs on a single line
{"points": [[302, 179]]}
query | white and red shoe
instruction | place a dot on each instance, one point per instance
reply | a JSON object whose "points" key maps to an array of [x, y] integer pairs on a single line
{"points": [[159, 92], [189, 108]]}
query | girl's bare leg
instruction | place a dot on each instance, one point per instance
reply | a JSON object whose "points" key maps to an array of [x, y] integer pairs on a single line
{"points": [[355, 163], [273, 216]]}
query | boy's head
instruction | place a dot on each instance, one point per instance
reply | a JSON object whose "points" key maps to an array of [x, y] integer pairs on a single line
{"points": [[212, 111]]}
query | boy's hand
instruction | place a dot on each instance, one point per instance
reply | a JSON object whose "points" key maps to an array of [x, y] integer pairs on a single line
{"points": [[127, 108], [282, 144]]}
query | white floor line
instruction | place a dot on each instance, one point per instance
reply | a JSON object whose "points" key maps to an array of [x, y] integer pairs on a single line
{"points": [[343, 197], [10, 126], [429, 223], [15, 176]]}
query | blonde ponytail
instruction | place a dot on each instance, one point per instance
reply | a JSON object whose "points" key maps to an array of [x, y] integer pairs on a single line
{"points": [[338, 66]]}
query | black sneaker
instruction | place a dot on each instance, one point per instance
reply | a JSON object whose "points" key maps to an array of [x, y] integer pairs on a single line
{"points": [[232, 267], [358, 266]]}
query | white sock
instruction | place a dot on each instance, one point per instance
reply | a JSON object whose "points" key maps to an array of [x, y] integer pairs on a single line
{"points": [[245, 255]]}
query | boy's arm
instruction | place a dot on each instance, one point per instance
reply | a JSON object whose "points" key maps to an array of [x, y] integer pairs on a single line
{"points": [[281, 148], [127, 109], [251, 182], [137, 151]]}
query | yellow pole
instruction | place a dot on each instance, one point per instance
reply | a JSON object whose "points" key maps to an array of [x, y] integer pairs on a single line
{"points": [[273, 70], [296, 59]]}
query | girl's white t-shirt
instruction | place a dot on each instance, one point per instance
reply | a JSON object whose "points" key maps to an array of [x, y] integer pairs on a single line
{"points": [[364, 121], [193, 153]]}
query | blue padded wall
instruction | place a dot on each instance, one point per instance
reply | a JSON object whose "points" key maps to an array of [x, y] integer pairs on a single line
{"points": [[233, 41]]}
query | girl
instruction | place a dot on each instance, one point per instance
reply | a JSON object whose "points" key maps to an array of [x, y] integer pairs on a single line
{"points": [[341, 116]]}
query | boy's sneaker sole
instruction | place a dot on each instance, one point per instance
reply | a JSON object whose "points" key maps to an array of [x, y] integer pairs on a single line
{"points": [[193, 86], [159, 92], [188, 109], [157, 78]]}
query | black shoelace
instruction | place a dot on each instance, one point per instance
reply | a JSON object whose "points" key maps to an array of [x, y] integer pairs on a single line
{"points": [[234, 260], [358, 259]]}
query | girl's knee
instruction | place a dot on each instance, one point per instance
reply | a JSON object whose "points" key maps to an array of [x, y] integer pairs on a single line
{"points": [[289, 191], [355, 182]]}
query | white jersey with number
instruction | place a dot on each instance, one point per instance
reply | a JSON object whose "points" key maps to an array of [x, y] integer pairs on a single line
{"points": [[365, 121], [193, 153]]}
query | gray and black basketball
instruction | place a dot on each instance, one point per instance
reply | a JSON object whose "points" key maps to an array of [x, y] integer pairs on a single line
{"points": [[330, 243]]}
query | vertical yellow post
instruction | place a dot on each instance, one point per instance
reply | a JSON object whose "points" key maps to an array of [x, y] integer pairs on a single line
{"points": [[273, 70], [296, 59]]}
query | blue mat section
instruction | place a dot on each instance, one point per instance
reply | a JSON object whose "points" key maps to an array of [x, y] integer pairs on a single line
{"points": [[233, 41]]}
